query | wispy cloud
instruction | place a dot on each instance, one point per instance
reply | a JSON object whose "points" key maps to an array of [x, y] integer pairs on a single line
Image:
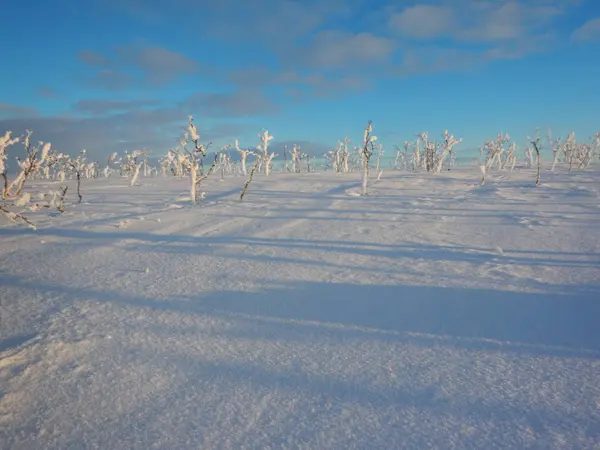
{"points": [[588, 32], [157, 129], [47, 92], [477, 21], [151, 65], [93, 58], [230, 104], [110, 80], [423, 22], [101, 106], [332, 49], [8, 110], [103, 125], [158, 64], [473, 32]]}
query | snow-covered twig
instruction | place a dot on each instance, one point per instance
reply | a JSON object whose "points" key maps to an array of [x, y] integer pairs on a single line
{"points": [[449, 142], [249, 180], [78, 166], [263, 147], [367, 152], [537, 147], [244, 153]]}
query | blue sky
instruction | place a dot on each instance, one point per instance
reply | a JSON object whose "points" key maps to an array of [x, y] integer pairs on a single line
{"points": [[110, 75]]}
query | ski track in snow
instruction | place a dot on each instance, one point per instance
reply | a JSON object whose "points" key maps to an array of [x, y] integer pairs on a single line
{"points": [[433, 313]]}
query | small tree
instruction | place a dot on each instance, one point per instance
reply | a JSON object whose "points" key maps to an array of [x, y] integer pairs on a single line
{"points": [[191, 160], [495, 150], [36, 156], [378, 160], [366, 153], [430, 149], [483, 169], [224, 161], [133, 160], [557, 148], [537, 147], [197, 179], [345, 155], [78, 165], [295, 154], [12, 192], [449, 142], [400, 159], [255, 166], [244, 153], [263, 147], [511, 157]]}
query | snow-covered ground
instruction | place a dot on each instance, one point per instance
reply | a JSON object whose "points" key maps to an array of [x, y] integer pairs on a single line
{"points": [[434, 313]]}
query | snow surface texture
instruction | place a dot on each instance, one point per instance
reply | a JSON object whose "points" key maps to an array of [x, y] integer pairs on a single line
{"points": [[433, 313]]}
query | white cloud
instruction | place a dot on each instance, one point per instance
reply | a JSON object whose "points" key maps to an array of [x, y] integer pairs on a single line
{"points": [[157, 65], [102, 106], [472, 21], [588, 32], [8, 110], [336, 49], [243, 103], [423, 21]]}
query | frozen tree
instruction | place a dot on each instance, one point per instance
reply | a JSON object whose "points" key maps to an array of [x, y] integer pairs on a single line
{"points": [[263, 147], [537, 147], [13, 197], [187, 159], [196, 178], [495, 150], [36, 156], [193, 164], [529, 157], [111, 160], [135, 164], [54, 161], [416, 157], [378, 160], [366, 153], [330, 160], [191, 160], [430, 149], [5, 142], [345, 155], [244, 153], [145, 165], [178, 161], [595, 151], [295, 154], [336, 159], [165, 163], [255, 167], [511, 156], [91, 169], [78, 166], [449, 142], [400, 158], [557, 148], [483, 169], [578, 154], [224, 161]]}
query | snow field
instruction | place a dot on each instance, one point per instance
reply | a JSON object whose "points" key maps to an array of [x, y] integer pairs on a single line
{"points": [[433, 313]]}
